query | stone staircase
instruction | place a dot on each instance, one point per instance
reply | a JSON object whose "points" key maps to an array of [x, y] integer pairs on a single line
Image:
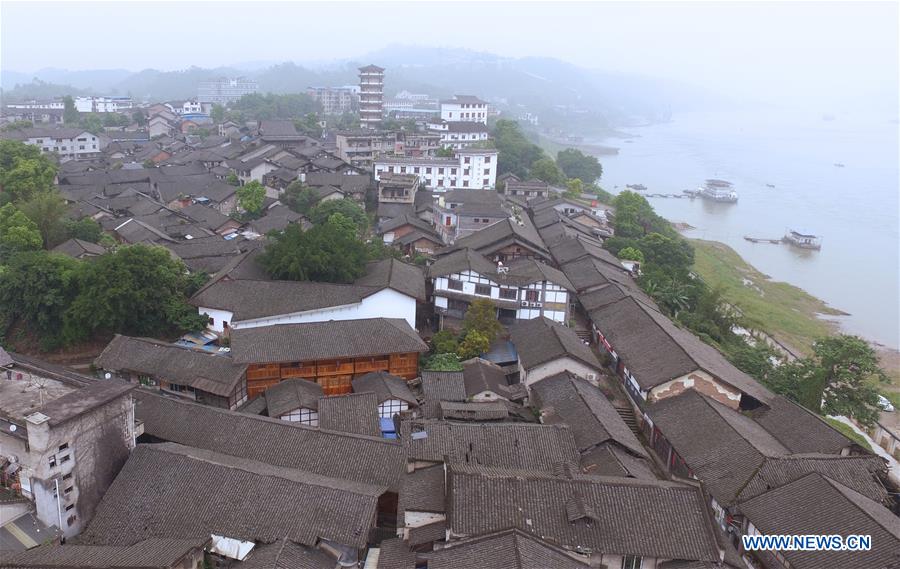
{"points": [[585, 335], [627, 414]]}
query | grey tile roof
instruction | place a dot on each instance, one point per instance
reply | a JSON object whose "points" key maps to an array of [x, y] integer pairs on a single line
{"points": [[609, 459], [816, 505], [511, 549], [798, 428], [370, 460], [519, 230], [588, 273], [249, 299], [653, 518], [194, 507], [285, 554], [324, 340], [217, 374], [355, 413], [395, 554], [277, 128], [348, 183], [277, 218], [405, 219], [481, 375], [575, 248], [459, 261], [153, 552], [503, 445], [428, 533], [722, 447], [423, 490], [443, 385], [394, 274], [212, 246], [566, 399], [540, 340], [484, 411], [291, 395], [77, 248], [207, 216], [656, 350], [385, 386]]}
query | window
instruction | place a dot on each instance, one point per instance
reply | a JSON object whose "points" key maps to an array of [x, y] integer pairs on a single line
{"points": [[391, 407], [440, 170], [63, 446], [454, 284], [465, 183], [486, 182], [80, 147], [71, 520], [532, 295], [467, 160], [483, 289], [68, 490], [452, 171], [52, 461], [67, 476], [70, 507], [416, 170], [632, 562], [211, 321], [428, 170], [82, 140], [487, 171], [509, 293], [466, 172], [65, 459]]}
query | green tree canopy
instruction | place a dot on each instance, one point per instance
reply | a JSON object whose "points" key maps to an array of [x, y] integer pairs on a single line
{"points": [[217, 114], [257, 106], [546, 169], [631, 254], [24, 172], [516, 152], [300, 197], [473, 345], [139, 117], [574, 188], [36, 288], [442, 362], [444, 342], [17, 232], [348, 208], [47, 210], [136, 289], [635, 217], [576, 164], [327, 252], [85, 229], [232, 179], [70, 113], [482, 317], [250, 197]]}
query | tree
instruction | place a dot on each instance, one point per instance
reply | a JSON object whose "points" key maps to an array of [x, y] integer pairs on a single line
{"points": [[482, 317], [217, 113], [631, 254], [840, 378], [85, 229], [309, 125], [546, 169], [23, 171], [136, 289], [348, 208], [91, 122], [473, 345], [250, 197], [47, 210], [574, 188], [139, 117], [670, 254], [326, 252], [232, 179], [36, 288], [635, 217], [444, 342], [442, 362], [17, 232], [300, 197], [576, 164], [71, 115], [444, 152], [516, 153]]}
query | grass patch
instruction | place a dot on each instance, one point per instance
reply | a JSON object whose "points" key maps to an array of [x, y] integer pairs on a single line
{"points": [[848, 432], [785, 312]]}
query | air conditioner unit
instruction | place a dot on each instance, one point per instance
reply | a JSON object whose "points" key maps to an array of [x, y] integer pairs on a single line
{"points": [[524, 303], [536, 304], [591, 377]]}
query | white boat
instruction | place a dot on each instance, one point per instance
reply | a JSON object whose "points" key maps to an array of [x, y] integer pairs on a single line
{"points": [[718, 191], [802, 240]]}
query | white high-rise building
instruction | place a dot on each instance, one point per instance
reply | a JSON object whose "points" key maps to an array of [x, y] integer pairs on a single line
{"points": [[464, 108]]}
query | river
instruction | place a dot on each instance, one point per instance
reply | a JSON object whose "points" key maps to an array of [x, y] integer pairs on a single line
{"points": [[854, 208]]}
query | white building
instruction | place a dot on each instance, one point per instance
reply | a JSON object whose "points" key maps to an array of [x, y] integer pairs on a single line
{"points": [[464, 108], [67, 143], [458, 135], [34, 105], [225, 90], [103, 104], [185, 107], [472, 168]]}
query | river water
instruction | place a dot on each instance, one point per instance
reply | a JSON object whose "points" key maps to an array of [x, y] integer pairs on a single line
{"points": [[854, 208]]}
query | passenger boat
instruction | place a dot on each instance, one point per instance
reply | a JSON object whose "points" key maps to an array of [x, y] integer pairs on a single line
{"points": [[718, 191], [802, 240]]}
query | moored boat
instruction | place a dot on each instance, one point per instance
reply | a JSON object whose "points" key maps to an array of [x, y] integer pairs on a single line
{"points": [[802, 240], [718, 191]]}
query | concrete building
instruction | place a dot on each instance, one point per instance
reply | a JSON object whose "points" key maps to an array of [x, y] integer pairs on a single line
{"points": [[371, 95], [103, 104], [63, 438], [458, 134], [472, 168], [225, 90], [360, 148], [397, 188], [464, 108], [67, 143], [335, 100]]}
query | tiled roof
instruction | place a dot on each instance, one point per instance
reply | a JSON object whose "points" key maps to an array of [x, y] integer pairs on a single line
{"points": [[217, 374], [443, 385], [291, 395], [285, 554], [502, 445], [385, 386], [817, 505], [652, 518], [422, 490], [77, 248], [272, 440], [541, 340], [355, 413], [187, 501], [494, 237], [324, 340], [150, 553], [397, 275], [395, 554], [511, 549], [481, 375], [798, 428], [482, 411], [566, 399]]}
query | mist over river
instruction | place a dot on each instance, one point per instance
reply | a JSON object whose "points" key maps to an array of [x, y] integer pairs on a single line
{"points": [[854, 208]]}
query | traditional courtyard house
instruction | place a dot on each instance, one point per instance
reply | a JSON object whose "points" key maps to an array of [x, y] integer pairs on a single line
{"points": [[283, 133], [521, 290], [192, 506], [820, 505], [397, 188], [497, 549], [295, 400], [208, 378], [528, 189], [656, 359], [355, 413], [277, 217], [350, 184], [486, 381], [546, 348], [155, 552], [56, 427], [211, 219], [507, 240], [391, 393], [330, 353], [411, 234], [607, 445], [458, 213], [78, 249], [655, 521]]}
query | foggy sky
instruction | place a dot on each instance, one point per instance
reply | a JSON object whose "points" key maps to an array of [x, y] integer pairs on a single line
{"points": [[766, 50]]}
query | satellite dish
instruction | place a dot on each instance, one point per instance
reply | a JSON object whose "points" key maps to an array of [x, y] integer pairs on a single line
{"points": [[107, 375], [12, 428]]}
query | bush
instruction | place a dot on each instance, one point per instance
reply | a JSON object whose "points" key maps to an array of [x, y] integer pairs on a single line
{"points": [[473, 345], [443, 362], [444, 342]]}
